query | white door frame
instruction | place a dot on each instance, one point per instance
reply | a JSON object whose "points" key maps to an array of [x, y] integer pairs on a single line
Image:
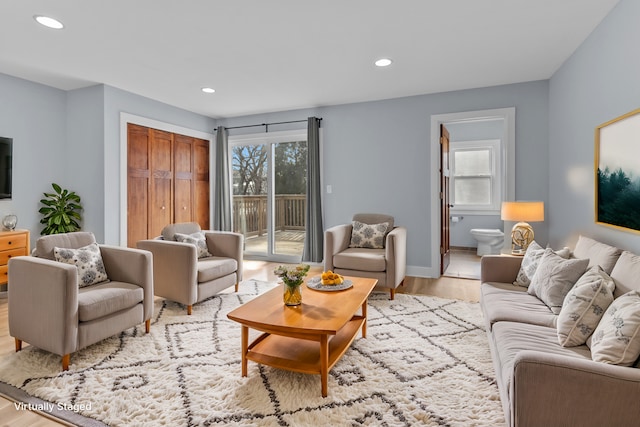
{"points": [[508, 136]]}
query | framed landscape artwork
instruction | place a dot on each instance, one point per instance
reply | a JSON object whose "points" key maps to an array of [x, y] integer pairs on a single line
{"points": [[617, 164]]}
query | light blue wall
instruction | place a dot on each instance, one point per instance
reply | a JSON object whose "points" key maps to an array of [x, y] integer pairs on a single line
{"points": [[376, 154], [85, 165], [33, 115], [473, 131], [599, 82]]}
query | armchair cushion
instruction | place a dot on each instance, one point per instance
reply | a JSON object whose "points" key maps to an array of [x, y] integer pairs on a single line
{"points": [[75, 240], [88, 262], [371, 236], [169, 231], [361, 259], [197, 239], [103, 299], [215, 267]]}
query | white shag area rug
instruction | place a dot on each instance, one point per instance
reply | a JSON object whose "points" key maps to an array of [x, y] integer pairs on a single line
{"points": [[425, 361]]}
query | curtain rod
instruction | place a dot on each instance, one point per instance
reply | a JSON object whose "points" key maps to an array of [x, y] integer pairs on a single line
{"points": [[266, 125]]}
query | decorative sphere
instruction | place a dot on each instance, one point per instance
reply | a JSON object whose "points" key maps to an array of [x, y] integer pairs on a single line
{"points": [[10, 221]]}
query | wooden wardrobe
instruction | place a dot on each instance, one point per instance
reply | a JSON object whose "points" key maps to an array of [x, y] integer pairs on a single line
{"points": [[167, 181]]}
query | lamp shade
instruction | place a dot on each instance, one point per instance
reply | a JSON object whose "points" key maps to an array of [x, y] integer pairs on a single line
{"points": [[522, 211]]}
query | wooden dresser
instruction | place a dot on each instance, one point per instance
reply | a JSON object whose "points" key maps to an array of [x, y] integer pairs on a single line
{"points": [[12, 243]]}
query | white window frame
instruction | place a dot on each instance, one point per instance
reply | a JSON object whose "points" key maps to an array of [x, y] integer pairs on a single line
{"points": [[495, 149]]}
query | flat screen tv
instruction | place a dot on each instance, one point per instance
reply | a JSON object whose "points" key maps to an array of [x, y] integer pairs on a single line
{"points": [[6, 165]]}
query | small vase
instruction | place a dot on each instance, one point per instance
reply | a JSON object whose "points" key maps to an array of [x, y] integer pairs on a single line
{"points": [[292, 295]]}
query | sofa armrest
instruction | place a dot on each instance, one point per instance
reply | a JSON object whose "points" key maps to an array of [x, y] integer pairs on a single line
{"points": [[549, 389], [43, 303], [175, 269], [133, 266], [336, 240], [227, 244], [499, 268], [396, 255]]}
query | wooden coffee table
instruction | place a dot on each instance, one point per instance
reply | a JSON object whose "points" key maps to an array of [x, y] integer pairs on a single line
{"points": [[309, 338]]}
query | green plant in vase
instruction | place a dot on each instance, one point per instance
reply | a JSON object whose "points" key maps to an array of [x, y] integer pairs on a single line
{"points": [[61, 211]]}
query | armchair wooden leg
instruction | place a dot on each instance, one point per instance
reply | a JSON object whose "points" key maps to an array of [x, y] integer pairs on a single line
{"points": [[65, 362], [393, 293], [18, 345], [237, 284], [147, 325], [189, 307]]}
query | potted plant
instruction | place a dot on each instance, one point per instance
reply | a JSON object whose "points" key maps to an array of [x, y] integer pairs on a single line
{"points": [[61, 211]]}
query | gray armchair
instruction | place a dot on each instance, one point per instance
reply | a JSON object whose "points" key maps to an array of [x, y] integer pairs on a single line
{"points": [[49, 310], [179, 275], [387, 264]]}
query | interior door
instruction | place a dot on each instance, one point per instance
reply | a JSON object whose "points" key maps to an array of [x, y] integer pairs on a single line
{"points": [[445, 250]]}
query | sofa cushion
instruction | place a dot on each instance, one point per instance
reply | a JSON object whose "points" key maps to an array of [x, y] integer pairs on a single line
{"points": [[597, 253], [626, 273], [530, 262], [100, 300], [369, 236], [88, 262], [584, 306], [554, 277], [616, 340], [361, 259], [197, 239], [509, 338], [215, 267], [507, 302]]}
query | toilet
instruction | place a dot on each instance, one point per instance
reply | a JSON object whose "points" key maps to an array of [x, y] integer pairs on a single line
{"points": [[490, 241]]}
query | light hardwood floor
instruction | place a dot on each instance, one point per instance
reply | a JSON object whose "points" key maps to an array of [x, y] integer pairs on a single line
{"points": [[445, 287]]}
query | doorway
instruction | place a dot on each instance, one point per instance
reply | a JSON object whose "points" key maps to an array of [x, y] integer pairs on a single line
{"points": [[438, 227]]}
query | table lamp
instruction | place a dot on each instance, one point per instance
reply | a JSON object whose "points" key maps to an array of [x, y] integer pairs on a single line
{"points": [[522, 232]]}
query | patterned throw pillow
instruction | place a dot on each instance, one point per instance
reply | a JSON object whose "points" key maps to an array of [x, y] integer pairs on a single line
{"points": [[197, 239], [88, 262], [616, 340], [584, 306], [369, 236], [530, 263], [554, 278]]}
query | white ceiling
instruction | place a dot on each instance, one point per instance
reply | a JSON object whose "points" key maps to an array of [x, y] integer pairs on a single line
{"points": [[273, 55]]}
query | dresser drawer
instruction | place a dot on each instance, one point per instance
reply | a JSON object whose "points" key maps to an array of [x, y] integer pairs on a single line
{"points": [[13, 241], [5, 256]]}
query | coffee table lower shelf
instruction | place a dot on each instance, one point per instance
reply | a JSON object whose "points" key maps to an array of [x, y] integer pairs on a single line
{"points": [[305, 353]]}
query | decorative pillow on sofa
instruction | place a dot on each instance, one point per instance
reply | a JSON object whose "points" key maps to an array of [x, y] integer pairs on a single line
{"points": [[88, 261], [369, 236], [554, 278], [530, 262], [584, 306], [598, 253], [616, 340], [198, 240]]}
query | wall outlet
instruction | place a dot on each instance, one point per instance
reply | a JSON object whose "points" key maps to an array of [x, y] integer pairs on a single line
{"points": [[329, 189]]}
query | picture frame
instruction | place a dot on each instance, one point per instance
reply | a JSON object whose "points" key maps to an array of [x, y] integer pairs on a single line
{"points": [[617, 172]]}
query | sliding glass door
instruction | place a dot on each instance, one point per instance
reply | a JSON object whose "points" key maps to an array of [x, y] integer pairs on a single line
{"points": [[269, 193]]}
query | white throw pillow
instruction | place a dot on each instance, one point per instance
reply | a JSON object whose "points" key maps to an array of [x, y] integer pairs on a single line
{"points": [[197, 239], [530, 263], [554, 277], [87, 260], [369, 236], [584, 306], [598, 253], [616, 340]]}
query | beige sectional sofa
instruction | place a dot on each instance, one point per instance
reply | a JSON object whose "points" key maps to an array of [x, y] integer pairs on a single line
{"points": [[541, 382]]}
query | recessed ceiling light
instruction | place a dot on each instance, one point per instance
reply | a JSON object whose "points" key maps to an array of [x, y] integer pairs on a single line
{"points": [[383, 62], [49, 22], [208, 90]]}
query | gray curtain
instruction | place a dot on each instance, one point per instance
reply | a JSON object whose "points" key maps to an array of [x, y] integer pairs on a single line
{"points": [[222, 219], [314, 233]]}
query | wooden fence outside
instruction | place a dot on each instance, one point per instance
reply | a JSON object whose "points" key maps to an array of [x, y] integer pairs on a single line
{"points": [[250, 213]]}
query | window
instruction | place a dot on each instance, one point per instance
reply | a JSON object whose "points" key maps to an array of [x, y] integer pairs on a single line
{"points": [[475, 177], [269, 174]]}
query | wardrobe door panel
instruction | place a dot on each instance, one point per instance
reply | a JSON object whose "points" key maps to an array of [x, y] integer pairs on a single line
{"points": [[201, 183], [161, 196], [138, 173], [183, 167]]}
